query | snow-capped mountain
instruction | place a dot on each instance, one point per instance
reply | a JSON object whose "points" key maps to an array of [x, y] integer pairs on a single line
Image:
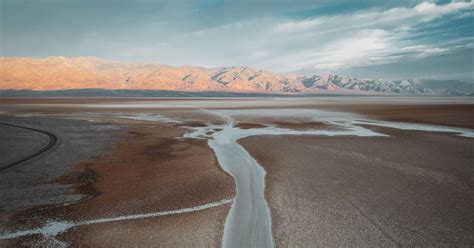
{"points": [[405, 87], [59, 73]]}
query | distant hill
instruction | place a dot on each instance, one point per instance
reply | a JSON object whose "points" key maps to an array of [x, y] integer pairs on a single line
{"points": [[451, 85], [61, 73], [123, 93]]}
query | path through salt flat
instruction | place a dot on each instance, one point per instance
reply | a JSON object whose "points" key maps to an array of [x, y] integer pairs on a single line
{"points": [[248, 223]]}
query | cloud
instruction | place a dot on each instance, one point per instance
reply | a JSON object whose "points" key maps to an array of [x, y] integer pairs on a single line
{"points": [[324, 43], [366, 46], [367, 38], [294, 26], [300, 35], [390, 18]]}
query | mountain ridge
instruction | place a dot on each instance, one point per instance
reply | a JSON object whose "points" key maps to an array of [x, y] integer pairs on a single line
{"points": [[65, 73]]}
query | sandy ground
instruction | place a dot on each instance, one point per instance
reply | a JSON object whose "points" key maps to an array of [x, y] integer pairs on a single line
{"points": [[457, 115], [147, 169], [160, 171], [413, 188], [198, 229], [154, 171], [32, 183]]}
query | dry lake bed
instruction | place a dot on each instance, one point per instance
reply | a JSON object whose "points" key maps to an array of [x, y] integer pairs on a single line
{"points": [[237, 172]]}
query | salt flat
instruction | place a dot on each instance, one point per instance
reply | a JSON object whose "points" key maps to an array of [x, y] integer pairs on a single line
{"points": [[290, 171]]}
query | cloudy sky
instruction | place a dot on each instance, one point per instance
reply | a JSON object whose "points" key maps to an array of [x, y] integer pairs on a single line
{"points": [[390, 39]]}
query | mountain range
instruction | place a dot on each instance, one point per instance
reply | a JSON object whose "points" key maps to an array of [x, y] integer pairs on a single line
{"points": [[64, 73]]}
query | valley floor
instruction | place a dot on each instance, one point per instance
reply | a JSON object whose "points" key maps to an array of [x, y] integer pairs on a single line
{"points": [[126, 172]]}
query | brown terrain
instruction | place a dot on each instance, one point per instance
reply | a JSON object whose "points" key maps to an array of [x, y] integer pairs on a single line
{"points": [[148, 169], [153, 171], [458, 115], [410, 189], [375, 191]]}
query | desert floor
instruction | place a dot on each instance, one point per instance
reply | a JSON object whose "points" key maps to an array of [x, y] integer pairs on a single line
{"points": [[125, 157]]}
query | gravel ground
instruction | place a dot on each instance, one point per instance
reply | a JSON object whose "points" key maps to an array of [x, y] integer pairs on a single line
{"points": [[32, 183], [144, 167], [413, 188]]}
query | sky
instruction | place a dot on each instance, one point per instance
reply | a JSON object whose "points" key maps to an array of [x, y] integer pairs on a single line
{"points": [[391, 39]]}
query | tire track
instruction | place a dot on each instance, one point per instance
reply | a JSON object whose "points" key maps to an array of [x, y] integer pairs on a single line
{"points": [[53, 139]]}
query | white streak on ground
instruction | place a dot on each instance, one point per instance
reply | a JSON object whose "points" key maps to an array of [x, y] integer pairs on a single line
{"points": [[149, 117], [119, 115], [463, 132], [248, 223], [157, 214], [53, 228], [249, 220]]}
